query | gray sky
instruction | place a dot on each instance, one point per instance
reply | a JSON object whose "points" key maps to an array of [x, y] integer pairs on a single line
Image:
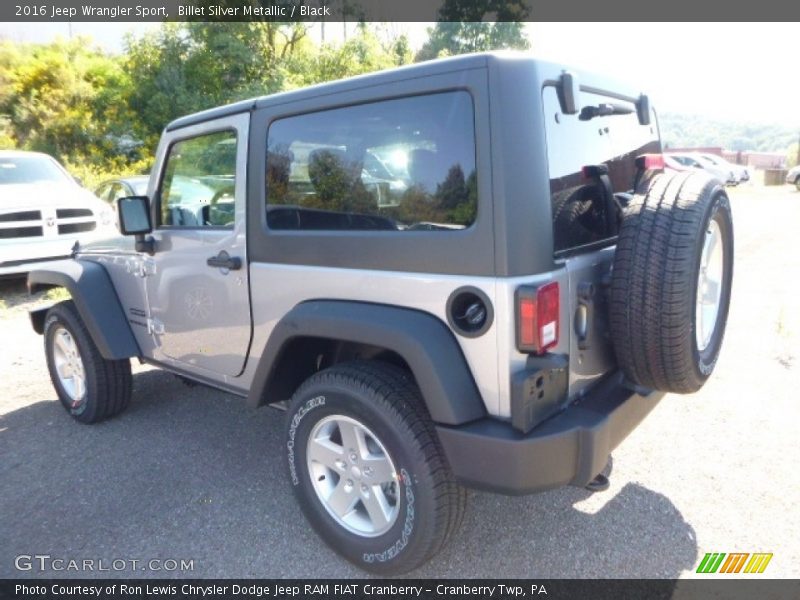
{"points": [[737, 71]]}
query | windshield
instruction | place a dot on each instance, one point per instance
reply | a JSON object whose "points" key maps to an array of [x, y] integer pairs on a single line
{"points": [[30, 169], [717, 160], [686, 160], [139, 186], [707, 159]]}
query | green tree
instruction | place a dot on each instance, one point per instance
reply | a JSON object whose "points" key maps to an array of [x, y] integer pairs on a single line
{"points": [[461, 29], [453, 190], [682, 130], [362, 53], [400, 49], [66, 98], [184, 68], [7, 140]]}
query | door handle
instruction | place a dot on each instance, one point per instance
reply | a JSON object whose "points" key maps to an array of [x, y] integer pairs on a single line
{"points": [[224, 261]]}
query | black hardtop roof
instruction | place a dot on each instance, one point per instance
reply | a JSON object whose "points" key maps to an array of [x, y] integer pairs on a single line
{"points": [[547, 71]]}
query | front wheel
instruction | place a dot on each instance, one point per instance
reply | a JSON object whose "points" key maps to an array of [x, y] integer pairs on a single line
{"points": [[90, 387], [367, 468]]}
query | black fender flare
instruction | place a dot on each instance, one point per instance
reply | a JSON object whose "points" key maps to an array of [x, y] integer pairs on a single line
{"points": [[96, 300], [422, 340]]}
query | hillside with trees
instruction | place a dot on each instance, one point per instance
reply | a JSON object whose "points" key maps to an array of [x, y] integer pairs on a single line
{"points": [[680, 130]]}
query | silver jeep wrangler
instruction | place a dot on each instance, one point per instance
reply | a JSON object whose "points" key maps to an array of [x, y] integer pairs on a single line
{"points": [[469, 272]]}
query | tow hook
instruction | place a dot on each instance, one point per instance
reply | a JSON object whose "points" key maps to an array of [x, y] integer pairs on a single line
{"points": [[598, 484]]}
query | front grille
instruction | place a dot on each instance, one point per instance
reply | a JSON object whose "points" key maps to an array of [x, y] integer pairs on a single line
{"points": [[35, 223], [25, 215], [76, 227], [20, 232], [71, 213]]}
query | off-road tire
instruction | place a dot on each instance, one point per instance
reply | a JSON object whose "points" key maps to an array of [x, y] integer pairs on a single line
{"points": [[385, 399], [655, 280], [108, 382]]}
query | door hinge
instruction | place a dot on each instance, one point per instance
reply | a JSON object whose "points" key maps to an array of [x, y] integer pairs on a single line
{"points": [[154, 326], [141, 267]]}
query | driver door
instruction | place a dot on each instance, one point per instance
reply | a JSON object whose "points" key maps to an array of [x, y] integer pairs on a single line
{"points": [[197, 281]]}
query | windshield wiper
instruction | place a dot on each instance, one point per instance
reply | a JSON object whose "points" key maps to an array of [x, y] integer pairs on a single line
{"points": [[603, 110]]}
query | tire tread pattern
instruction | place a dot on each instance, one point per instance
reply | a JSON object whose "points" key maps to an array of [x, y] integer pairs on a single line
{"points": [[113, 381], [652, 303]]}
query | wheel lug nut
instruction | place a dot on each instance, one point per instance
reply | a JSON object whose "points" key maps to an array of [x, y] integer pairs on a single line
{"points": [[353, 457], [368, 471], [341, 464], [364, 489]]}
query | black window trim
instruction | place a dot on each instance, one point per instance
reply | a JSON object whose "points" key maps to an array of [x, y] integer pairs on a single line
{"points": [[465, 252]]}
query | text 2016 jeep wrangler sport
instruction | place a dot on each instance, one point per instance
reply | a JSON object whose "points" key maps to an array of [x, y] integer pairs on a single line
{"points": [[468, 272]]}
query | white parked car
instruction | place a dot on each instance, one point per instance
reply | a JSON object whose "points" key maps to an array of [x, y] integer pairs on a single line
{"points": [[44, 211], [793, 176], [697, 161], [739, 171]]}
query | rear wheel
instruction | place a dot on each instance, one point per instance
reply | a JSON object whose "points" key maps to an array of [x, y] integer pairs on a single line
{"points": [[90, 387], [367, 468], [671, 283], [797, 184]]}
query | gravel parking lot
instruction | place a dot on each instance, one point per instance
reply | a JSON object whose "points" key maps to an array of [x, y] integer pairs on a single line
{"points": [[192, 473]]}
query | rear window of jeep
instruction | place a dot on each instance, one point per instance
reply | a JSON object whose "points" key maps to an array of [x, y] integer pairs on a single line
{"points": [[406, 164], [583, 140]]}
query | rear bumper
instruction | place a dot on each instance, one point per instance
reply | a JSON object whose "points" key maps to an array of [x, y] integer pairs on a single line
{"points": [[570, 448]]}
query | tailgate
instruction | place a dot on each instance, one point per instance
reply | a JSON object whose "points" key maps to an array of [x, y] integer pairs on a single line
{"points": [[591, 355]]}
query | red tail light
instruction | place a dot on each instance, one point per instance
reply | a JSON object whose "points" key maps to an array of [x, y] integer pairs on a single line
{"points": [[648, 162], [537, 318]]}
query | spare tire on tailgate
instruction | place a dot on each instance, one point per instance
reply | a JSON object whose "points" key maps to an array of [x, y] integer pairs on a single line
{"points": [[671, 283]]}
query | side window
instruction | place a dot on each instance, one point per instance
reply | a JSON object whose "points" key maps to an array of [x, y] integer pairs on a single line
{"points": [[197, 189], [397, 165]]}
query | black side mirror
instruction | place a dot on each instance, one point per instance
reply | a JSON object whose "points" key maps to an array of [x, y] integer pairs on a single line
{"points": [[569, 88], [134, 219], [643, 109], [134, 215]]}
